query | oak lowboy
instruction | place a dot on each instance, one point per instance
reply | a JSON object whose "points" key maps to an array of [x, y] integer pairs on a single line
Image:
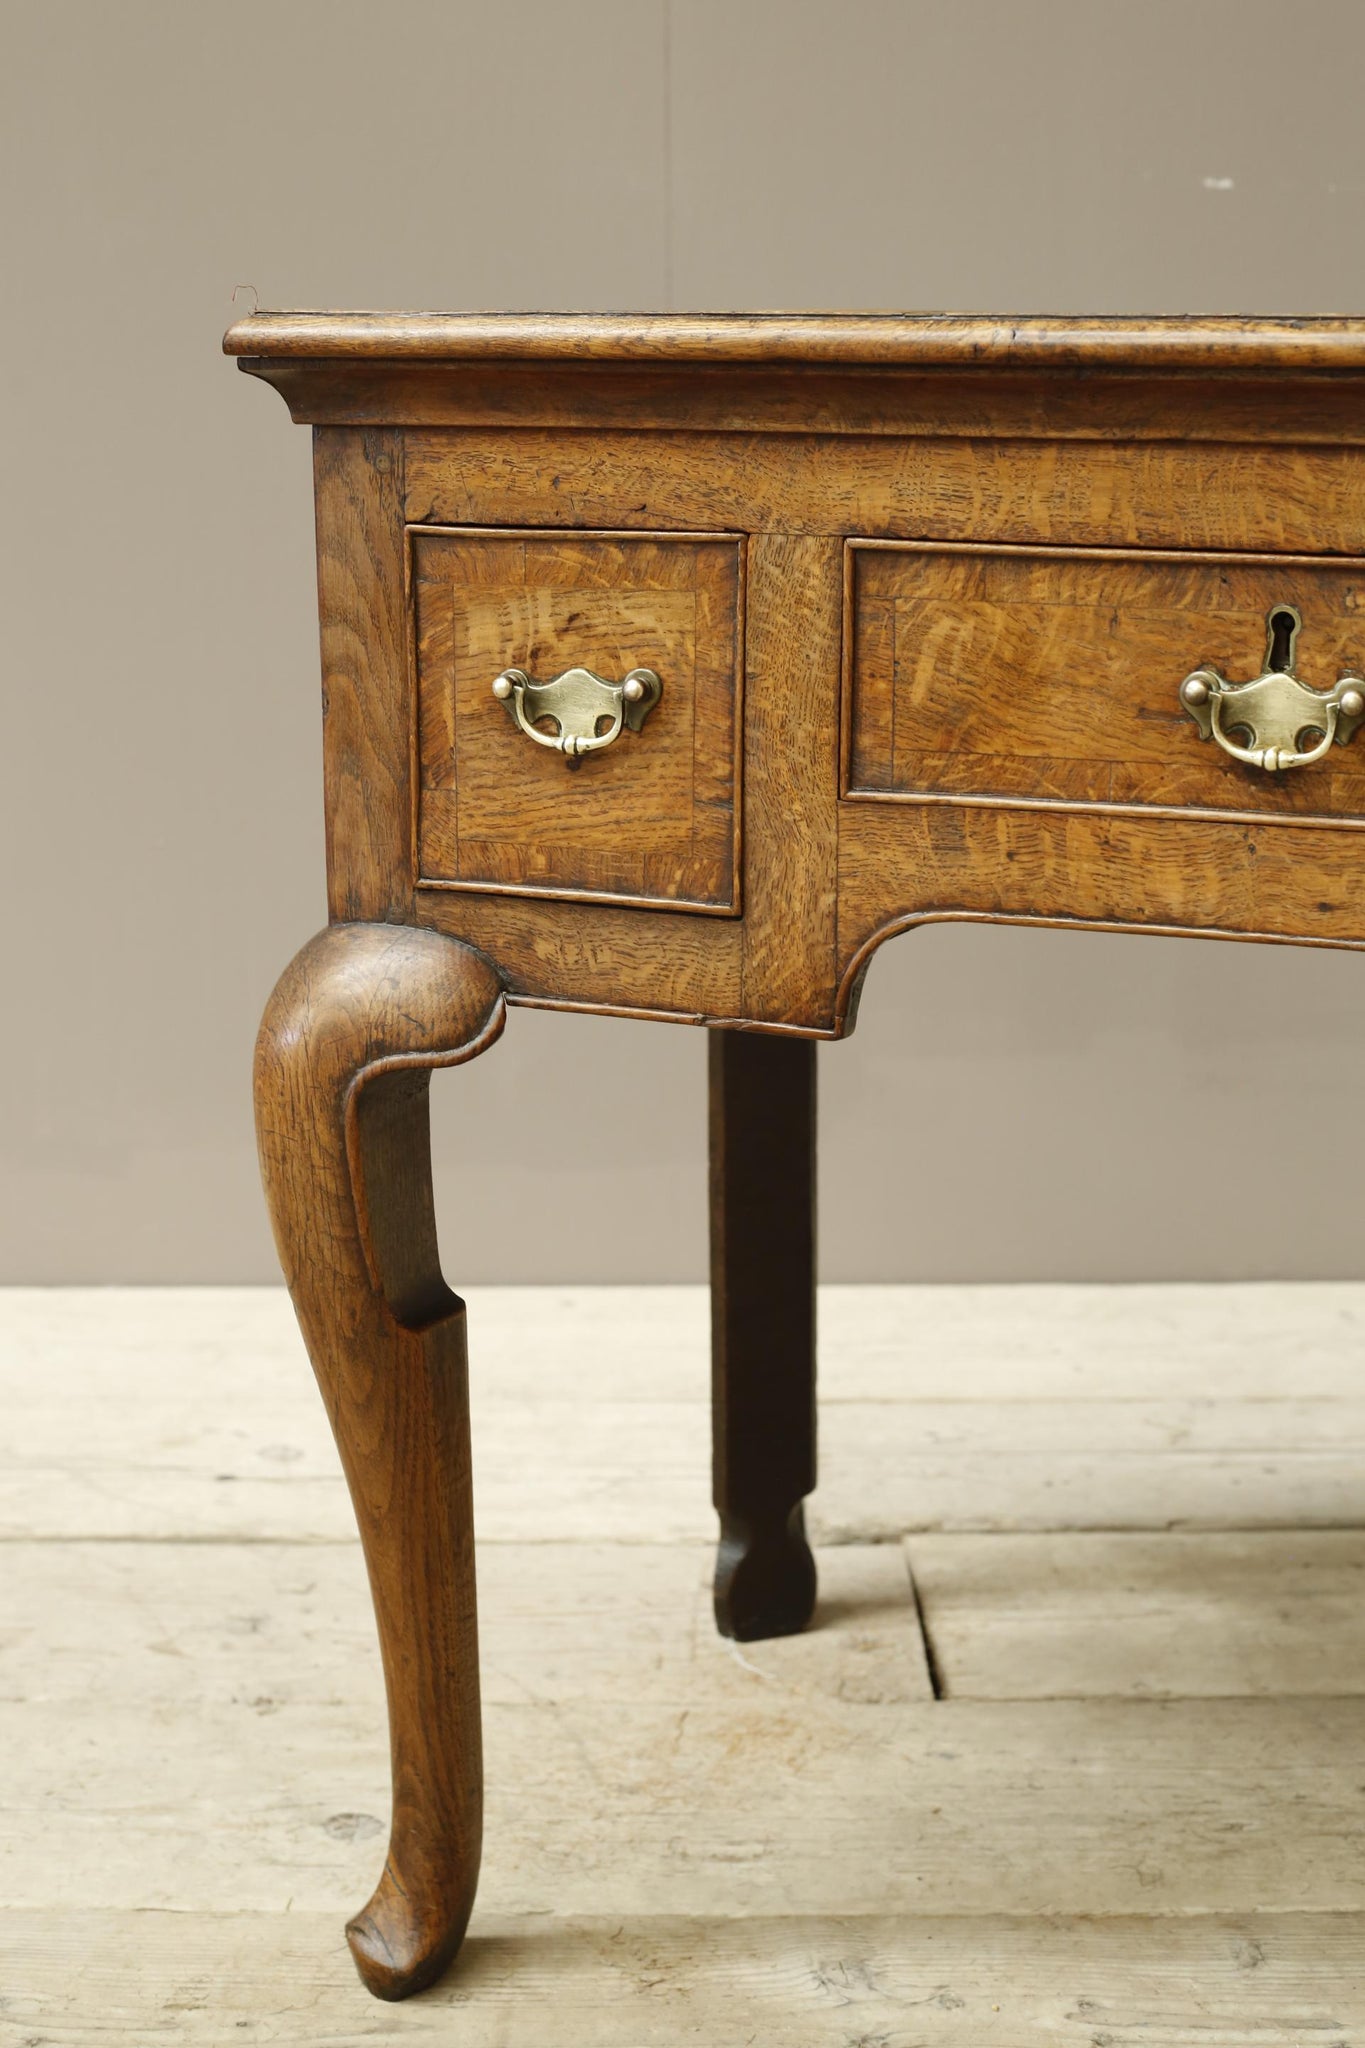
{"points": [[669, 666]]}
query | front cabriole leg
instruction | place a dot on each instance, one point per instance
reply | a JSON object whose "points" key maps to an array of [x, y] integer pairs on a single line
{"points": [[343, 1067]]}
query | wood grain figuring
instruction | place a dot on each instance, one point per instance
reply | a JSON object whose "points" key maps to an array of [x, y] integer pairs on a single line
{"points": [[902, 864], [791, 755], [342, 1069], [367, 717], [1169, 343], [599, 956], [655, 817], [1180, 494], [1063, 404], [990, 674]]}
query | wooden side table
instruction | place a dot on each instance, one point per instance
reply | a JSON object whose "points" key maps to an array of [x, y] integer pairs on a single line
{"points": [[670, 665]]}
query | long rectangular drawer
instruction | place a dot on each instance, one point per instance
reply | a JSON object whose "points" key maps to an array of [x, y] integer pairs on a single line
{"points": [[1019, 676]]}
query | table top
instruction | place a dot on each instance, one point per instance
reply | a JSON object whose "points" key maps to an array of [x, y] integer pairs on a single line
{"points": [[887, 340]]}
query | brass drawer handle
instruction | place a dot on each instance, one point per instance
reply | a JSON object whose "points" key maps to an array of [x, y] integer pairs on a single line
{"points": [[579, 703], [1275, 709]]}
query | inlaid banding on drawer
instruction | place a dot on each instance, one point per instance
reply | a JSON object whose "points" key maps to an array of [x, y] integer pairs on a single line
{"points": [[652, 818], [1051, 676]]}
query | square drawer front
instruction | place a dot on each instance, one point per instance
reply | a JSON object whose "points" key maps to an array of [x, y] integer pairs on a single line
{"points": [[1050, 676], [651, 818]]}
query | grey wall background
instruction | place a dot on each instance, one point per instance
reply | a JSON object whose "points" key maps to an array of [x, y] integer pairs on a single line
{"points": [[1015, 1103]]}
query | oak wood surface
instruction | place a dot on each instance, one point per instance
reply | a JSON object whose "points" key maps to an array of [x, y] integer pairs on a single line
{"points": [[800, 497], [1185, 493], [1217, 343], [995, 674], [654, 817], [635, 962], [790, 784], [366, 699], [1086, 404], [343, 1065], [905, 864]]}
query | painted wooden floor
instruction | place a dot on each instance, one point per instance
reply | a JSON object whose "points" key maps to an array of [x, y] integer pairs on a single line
{"points": [[1074, 1754]]}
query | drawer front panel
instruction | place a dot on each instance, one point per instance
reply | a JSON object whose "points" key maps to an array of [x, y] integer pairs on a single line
{"points": [[651, 818], [1027, 677]]}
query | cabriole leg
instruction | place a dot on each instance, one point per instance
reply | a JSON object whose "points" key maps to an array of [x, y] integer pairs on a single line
{"points": [[762, 1142], [343, 1065]]}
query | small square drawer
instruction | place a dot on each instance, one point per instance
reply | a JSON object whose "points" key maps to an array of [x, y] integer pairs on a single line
{"points": [[652, 815], [1086, 679]]}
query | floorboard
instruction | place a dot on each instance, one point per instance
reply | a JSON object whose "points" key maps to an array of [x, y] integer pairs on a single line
{"points": [[1122, 1528], [878, 1981], [1080, 1615]]}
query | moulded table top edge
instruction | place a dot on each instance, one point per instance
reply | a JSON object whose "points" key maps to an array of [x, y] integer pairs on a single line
{"points": [[1232, 344]]}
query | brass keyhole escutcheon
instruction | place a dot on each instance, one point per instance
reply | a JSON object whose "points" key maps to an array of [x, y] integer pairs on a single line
{"points": [[1276, 711]]}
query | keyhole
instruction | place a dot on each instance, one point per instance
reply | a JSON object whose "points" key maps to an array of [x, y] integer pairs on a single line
{"points": [[1284, 624]]}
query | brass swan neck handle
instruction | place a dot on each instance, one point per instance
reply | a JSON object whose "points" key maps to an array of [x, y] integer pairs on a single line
{"points": [[1276, 711], [588, 713]]}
